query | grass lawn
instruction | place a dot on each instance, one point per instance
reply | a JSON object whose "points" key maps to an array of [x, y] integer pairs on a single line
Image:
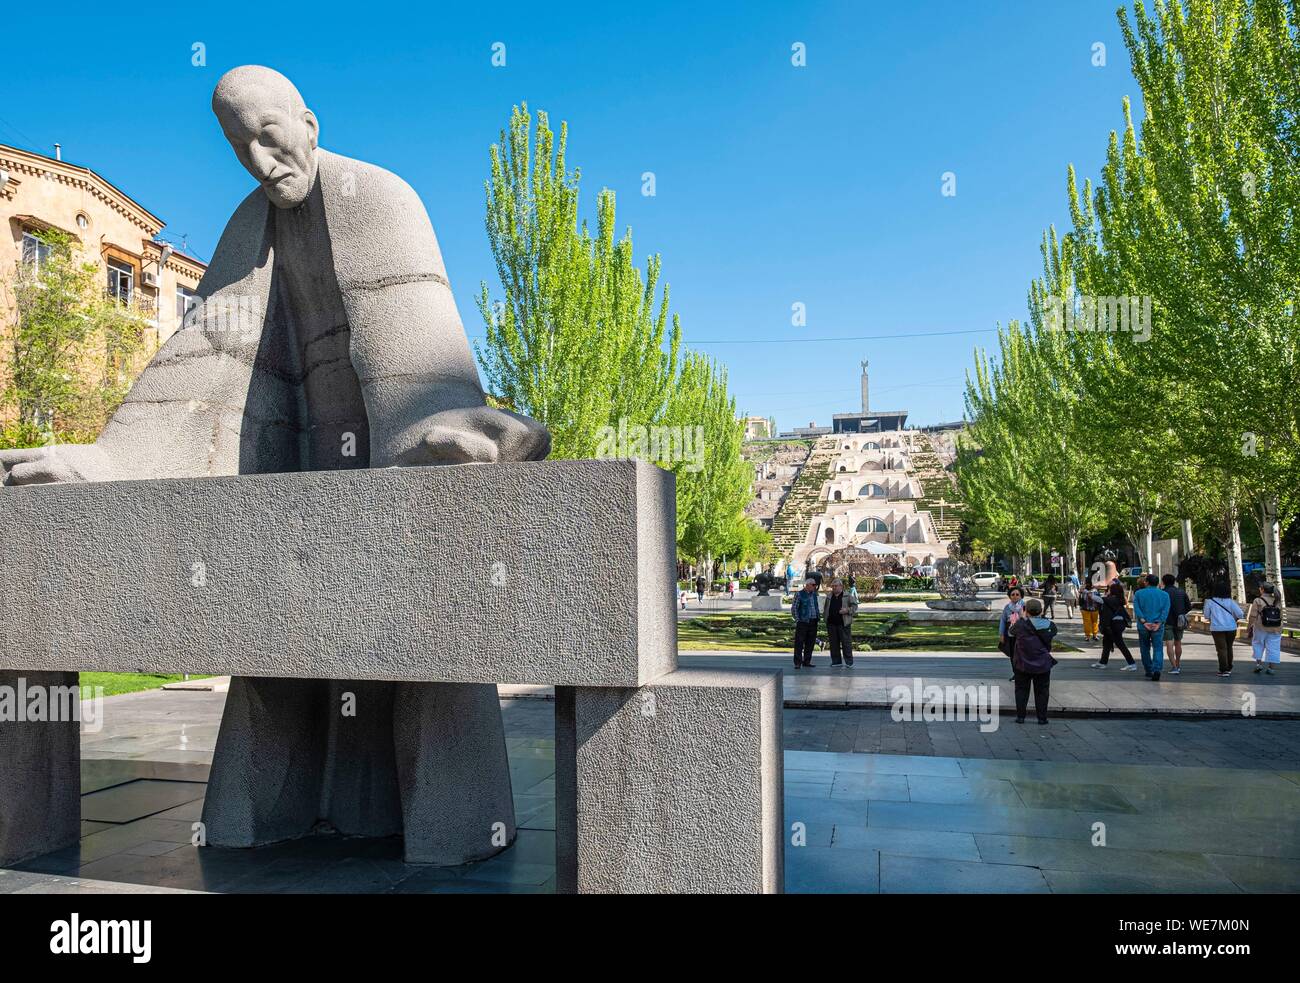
{"points": [[773, 632], [127, 682], [762, 631], [950, 637]]}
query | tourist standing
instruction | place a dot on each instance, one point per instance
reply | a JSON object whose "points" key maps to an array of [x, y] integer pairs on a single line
{"points": [[840, 609], [1265, 626], [1113, 615], [1032, 659], [806, 613], [1049, 596], [1224, 613], [1180, 606], [1089, 603], [1011, 613], [1070, 596], [699, 587], [1151, 609]]}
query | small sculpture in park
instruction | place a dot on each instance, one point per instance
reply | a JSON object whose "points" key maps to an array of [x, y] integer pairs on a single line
{"points": [[766, 581], [859, 568], [1103, 571], [953, 575], [326, 337]]}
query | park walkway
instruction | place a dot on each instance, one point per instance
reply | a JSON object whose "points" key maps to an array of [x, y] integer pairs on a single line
{"points": [[1076, 688]]}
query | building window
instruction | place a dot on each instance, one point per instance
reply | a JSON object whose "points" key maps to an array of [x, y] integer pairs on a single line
{"points": [[871, 491], [121, 281], [871, 445], [872, 525], [35, 251], [186, 301], [83, 220]]}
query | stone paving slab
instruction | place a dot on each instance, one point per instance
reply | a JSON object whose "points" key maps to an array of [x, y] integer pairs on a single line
{"points": [[24, 882], [1189, 805], [1076, 688]]}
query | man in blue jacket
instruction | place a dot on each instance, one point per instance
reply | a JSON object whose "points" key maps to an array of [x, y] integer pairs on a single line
{"points": [[806, 613], [1151, 610]]}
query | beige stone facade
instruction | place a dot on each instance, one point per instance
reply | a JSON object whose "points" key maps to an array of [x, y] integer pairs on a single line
{"points": [[870, 493], [38, 192]]}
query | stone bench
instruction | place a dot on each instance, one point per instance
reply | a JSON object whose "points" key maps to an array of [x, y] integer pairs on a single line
{"points": [[558, 573]]}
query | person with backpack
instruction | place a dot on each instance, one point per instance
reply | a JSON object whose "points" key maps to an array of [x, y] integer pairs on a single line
{"points": [[1089, 605], [1224, 613], [699, 587], [806, 613], [1180, 606], [1265, 627], [1114, 619], [1151, 609], [1031, 659]]}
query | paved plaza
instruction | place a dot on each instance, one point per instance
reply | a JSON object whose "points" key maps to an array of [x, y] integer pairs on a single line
{"points": [[1076, 687], [875, 805]]}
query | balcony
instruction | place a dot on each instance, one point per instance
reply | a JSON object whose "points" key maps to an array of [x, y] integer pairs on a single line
{"points": [[134, 301]]}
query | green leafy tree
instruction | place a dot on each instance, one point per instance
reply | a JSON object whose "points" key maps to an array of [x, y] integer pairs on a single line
{"points": [[71, 352], [583, 340], [582, 337]]}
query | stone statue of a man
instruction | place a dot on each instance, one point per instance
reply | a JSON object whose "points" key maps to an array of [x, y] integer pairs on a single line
{"points": [[326, 337]]}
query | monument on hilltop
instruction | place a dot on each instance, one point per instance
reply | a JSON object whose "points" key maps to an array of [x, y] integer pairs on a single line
{"points": [[866, 420]]}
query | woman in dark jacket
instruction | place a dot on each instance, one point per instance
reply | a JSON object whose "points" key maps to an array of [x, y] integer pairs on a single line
{"points": [[1032, 659], [1049, 597], [1114, 619]]}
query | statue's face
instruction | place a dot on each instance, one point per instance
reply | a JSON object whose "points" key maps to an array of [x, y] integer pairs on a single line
{"points": [[277, 145]]}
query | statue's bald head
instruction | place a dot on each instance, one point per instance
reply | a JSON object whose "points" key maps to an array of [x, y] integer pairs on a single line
{"points": [[272, 131]]}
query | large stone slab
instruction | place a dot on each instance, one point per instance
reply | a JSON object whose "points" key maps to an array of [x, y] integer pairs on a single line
{"points": [[675, 787], [550, 572], [40, 781]]}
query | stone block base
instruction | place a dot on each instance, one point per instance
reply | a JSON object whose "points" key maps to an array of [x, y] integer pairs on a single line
{"points": [[675, 787], [40, 765], [770, 602]]}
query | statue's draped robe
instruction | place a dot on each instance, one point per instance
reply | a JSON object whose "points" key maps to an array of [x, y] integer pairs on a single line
{"points": [[325, 334]]}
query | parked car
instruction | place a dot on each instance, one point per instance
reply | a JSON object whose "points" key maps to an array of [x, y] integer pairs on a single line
{"points": [[986, 579]]}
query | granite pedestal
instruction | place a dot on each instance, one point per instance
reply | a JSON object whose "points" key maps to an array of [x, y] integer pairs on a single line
{"points": [[430, 575]]}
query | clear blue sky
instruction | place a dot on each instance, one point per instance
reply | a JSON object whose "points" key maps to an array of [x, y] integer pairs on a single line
{"points": [[775, 184]]}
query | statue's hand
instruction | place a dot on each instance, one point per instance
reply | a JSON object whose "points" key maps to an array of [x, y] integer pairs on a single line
{"points": [[56, 464], [478, 435]]}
